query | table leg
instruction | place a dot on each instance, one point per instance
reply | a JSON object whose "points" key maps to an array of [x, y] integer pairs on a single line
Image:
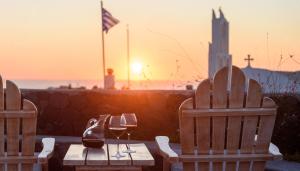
{"points": [[135, 169], [107, 168]]}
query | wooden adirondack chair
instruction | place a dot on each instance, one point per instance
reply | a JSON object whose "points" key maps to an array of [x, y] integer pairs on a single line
{"points": [[221, 129], [18, 121]]}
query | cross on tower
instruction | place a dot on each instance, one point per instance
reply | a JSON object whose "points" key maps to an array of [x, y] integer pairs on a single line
{"points": [[249, 59]]}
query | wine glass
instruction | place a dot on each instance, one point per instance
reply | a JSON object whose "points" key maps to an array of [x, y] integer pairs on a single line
{"points": [[116, 127], [130, 124]]}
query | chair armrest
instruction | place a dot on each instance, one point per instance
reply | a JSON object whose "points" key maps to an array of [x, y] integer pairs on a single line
{"points": [[47, 152], [274, 150], [165, 150]]}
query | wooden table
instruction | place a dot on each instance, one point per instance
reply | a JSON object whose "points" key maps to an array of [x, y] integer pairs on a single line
{"points": [[101, 159]]}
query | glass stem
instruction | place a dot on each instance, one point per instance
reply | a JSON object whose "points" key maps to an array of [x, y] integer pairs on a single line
{"points": [[128, 139], [128, 135], [118, 145]]}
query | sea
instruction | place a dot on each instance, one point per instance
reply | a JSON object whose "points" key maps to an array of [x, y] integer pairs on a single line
{"points": [[89, 84]]}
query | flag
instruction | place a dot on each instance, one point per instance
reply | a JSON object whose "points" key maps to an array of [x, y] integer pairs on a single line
{"points": [[108, 21]]}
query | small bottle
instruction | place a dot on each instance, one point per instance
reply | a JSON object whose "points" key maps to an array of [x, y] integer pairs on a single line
{"points": [[94, 136]]}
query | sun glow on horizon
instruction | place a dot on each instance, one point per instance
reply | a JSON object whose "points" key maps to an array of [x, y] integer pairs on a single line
{"points": [[136, 67]]}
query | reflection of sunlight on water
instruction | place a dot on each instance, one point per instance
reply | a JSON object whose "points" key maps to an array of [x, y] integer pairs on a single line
{"points": [[135, 85]]}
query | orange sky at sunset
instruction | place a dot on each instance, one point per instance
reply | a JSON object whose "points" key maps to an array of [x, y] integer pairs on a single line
{"points": [[58, 39]]}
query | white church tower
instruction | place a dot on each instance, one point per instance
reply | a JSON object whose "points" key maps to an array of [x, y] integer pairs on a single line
{"points": [[219, 47]]}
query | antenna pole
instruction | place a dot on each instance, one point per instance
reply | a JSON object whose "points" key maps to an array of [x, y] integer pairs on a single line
{"points": [[128, 58], [268, 50]]}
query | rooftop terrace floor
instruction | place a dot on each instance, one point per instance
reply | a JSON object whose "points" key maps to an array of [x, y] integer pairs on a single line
{"points": [[63, 142]]}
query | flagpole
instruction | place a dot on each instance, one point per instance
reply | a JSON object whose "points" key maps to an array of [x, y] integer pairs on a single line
{"points": [[128, 59], [103, 50]]}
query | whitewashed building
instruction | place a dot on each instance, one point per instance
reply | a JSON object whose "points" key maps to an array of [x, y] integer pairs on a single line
{"points": [[218, 54], [275, 81], [271, 81]]}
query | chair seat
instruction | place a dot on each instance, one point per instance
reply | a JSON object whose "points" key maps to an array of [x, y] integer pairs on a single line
{"points": [[36, 167], [276, 165], [176, 167]]}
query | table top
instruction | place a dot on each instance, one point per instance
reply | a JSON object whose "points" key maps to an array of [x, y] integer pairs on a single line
{"points": [[78, 155]]}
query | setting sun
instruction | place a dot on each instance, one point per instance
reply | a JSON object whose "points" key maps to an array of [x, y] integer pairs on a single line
{"points": [[136, 67]]}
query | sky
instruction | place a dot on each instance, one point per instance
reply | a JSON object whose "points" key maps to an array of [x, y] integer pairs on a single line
{"points": [[61, 39]]}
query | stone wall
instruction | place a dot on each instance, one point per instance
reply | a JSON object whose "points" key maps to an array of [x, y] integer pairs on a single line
{"points": [[66, 112], [286, 132]]}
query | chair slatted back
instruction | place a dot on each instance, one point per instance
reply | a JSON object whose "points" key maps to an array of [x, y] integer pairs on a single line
{"points": [[18, 121], [226, 128]]}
